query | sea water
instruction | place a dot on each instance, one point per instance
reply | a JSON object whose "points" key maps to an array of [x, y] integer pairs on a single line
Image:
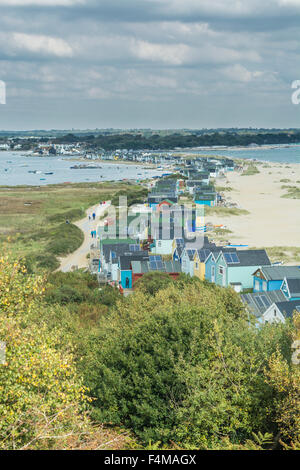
{"points": [[15, 168]]}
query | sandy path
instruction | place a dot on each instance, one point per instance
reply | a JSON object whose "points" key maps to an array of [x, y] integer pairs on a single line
{"points": [[79, 257], [272, 220]]}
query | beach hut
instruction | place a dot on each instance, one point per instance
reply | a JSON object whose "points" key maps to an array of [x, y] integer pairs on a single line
{"points": [[291, 289], [269, 278], [237, 266]]}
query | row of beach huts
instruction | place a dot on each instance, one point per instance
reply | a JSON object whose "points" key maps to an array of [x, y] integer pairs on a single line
{"points": [[162, 237]]}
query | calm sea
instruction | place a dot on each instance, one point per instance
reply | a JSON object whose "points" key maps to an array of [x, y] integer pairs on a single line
{"points": [[279, 154], [15, 168]]}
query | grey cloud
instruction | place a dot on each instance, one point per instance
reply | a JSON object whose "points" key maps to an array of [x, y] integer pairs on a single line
{"points": [[123, 57]]}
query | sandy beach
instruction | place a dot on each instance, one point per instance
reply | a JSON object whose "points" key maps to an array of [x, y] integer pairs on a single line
{"points": [[272, 220]]}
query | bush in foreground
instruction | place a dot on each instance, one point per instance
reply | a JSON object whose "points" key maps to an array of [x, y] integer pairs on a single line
{"points": [[42, 398], [185, 366]]}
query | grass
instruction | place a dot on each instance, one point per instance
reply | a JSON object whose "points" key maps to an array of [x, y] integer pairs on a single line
{"points": [[34, 218], [221, 231], [220, 235], [225, 211], [286, 254], [251, 170], [293, 192], [222, 189]]}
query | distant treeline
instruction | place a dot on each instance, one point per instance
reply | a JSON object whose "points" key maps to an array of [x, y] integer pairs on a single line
{"points": [[157, 142]]}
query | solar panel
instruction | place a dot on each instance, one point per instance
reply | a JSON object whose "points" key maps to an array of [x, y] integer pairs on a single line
{"points": [[153, 265], [258, 300], [227, 258], [265, 301], [231, 258], [155, 258], [235, 258]]}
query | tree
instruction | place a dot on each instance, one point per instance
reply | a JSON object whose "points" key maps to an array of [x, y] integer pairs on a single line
{"points": [[184, 365], [41, 394], [152, 282], [284, 377]]}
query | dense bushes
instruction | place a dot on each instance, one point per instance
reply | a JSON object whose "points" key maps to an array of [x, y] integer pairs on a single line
{"points": [[42, 397], [174, 363], [79, 287], [46, 261], [152, 282], [185, 365], [134, 196], [65, 238]]}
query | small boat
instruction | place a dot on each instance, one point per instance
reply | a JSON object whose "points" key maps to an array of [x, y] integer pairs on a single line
{"points": [[49, 173], [84, 167]]}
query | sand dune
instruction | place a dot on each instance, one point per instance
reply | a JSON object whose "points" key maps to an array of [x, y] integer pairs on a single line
{"points": [[272, 220]]}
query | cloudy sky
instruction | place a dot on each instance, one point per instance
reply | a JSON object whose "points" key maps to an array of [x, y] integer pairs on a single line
{"points": [[149, 63]]}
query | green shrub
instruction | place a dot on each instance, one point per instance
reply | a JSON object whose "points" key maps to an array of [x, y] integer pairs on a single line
{"points": [[183, 365], [109, 296], [152, 282], [64, 295], [46, 261], [72, 215], [65, 239], [79, 287]]}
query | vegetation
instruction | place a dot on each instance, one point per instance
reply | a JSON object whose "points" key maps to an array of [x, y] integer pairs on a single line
{"points": [[178, 367], [160, 140], [42, 397], [293, 192], [35, 218], [223, 189], [133, 197], [250, 170], [284, 253], [152, 282], [225, 211], [184, 366], [77, 288]]}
